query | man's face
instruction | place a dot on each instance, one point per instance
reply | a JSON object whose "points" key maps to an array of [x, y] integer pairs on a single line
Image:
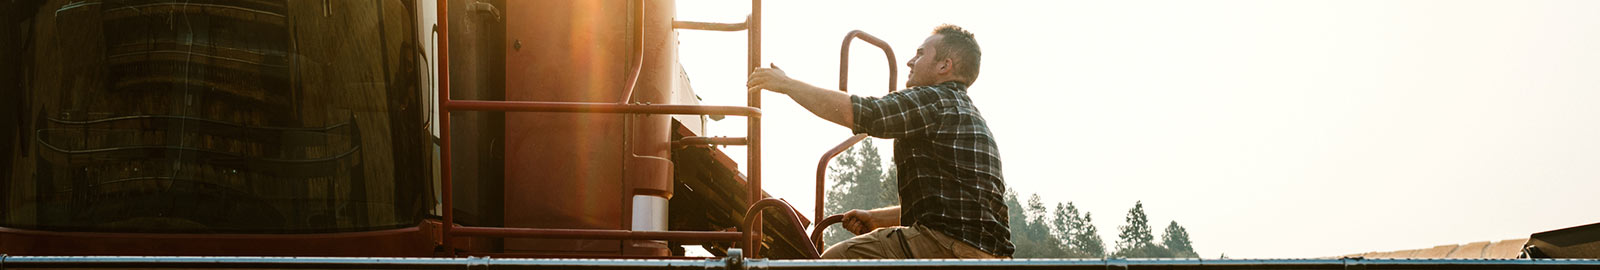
{"points": [[925, 70]]}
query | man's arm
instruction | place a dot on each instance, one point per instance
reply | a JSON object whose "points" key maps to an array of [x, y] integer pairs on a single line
{"points": [[864, 221], [831, 105]]}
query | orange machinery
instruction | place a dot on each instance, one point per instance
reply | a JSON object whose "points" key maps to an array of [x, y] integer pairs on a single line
{"points": [[307, 128]]}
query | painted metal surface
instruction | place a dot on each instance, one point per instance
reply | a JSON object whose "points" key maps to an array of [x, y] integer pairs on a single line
{"points": [[710, 26], [590, 85], [607, 108], [706, 141], [739, 262], [564, 170], [551, 69], [596, 234], [478, 45]]}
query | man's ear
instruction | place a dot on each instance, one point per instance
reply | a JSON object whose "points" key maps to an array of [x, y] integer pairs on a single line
{"points": [[947, 65]]}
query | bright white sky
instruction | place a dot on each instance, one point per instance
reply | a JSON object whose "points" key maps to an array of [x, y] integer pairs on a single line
{"points": [[1267, 128]]}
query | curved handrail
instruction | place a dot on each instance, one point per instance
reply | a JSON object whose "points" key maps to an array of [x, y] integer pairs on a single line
{"points": [[822, 225], [822, 168], [755, 211], [844, 81], [844, 58]]}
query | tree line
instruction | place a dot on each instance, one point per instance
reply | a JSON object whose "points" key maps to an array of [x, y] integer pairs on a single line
{"points": [[860, 180]]}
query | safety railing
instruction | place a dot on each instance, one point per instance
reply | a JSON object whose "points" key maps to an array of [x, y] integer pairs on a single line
{"points": [[749, 235], [735, 261], [822, 164]]}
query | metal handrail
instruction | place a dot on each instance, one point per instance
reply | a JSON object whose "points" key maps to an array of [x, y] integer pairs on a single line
{"points": [[754, 213], [822, 225], [709, 26], [844, 75], [736, 261], [822, 169], [844, 58]]}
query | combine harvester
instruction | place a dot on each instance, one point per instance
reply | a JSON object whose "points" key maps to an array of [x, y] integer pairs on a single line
{"points": [[405, 134]]}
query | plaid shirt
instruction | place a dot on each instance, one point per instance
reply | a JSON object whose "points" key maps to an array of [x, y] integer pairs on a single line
{"points": [[949, 167]]}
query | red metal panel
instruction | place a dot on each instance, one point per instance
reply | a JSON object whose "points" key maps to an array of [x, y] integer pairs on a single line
{"points": [[585, 168], [648, 167], [565, 170]]}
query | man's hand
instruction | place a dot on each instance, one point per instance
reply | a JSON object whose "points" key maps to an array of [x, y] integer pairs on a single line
{"points": [[859, 222], [831, 105], [773, 79]]}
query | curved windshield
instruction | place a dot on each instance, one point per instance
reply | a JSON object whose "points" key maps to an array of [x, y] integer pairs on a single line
{"points": [[257, 116]]}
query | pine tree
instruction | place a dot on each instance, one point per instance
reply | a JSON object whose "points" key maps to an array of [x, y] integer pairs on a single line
{"points": [[1031, 238], [1088, 238], [859, 182], [1135, 240], [1176, 239], [1065, 225], [1014, 212], [1078, 238], [1136, 234], [1037, 231], [1017, 219]]}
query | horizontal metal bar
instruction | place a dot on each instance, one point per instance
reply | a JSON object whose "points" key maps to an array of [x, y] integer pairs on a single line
{"points": [[688, 141], [708, 26], [498, 263], [537, 255], [597, 107], [596, 234], [348, 263], [1179, 264]]}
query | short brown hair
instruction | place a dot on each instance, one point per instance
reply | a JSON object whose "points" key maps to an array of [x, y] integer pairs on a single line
{"points": [[960, 45]]}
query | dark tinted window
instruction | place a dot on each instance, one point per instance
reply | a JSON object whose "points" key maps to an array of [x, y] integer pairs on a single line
{"points": [[263, 116]]}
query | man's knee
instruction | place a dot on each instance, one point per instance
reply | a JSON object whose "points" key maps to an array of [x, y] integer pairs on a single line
{"points": [[836, 252], [865, 246]]}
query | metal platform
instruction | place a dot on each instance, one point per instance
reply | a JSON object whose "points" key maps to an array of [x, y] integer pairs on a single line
{"points": [[737, 262]]}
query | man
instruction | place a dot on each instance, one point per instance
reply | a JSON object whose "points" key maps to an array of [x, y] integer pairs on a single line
{"points": [[952, 193]]}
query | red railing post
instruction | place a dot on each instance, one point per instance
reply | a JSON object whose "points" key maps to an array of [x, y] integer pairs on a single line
{"points": [[753, 241], [444, 128]]}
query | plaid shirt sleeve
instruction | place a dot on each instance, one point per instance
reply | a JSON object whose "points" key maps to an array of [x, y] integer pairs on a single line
{"points": [[909, 113]]}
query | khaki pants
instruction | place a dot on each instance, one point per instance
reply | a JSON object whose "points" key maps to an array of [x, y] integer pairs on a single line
{"points": [[923, 243]]}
